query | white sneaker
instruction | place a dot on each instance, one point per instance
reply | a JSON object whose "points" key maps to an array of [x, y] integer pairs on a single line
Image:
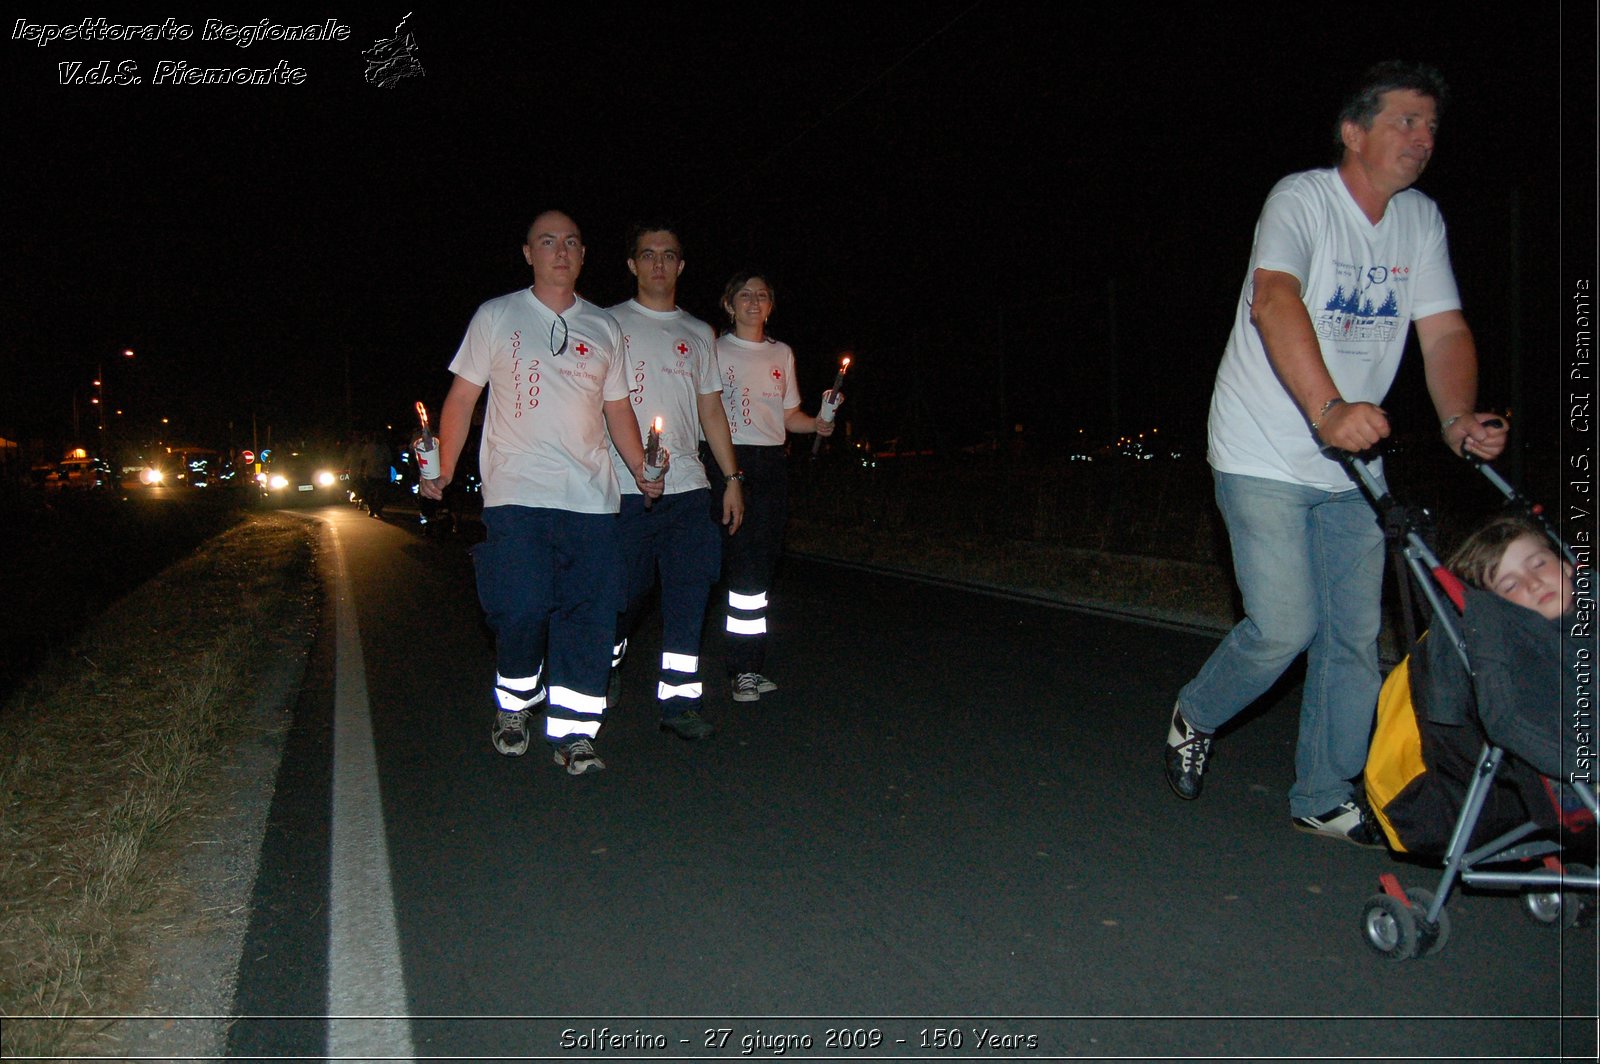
{"points": [[511, 732], [1345, 822], [578, 757]]}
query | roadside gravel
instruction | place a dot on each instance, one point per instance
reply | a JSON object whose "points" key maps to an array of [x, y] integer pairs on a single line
{"points": [[152, 937], [184, 1011]]}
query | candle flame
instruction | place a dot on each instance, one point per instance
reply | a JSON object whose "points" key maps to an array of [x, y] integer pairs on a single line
{"points": [[422, 412], [658, 424], [845, 361]]}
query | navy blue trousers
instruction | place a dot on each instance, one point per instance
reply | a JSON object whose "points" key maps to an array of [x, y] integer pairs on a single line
{"points": [[750, 556], [550, 582], [676, 539]]}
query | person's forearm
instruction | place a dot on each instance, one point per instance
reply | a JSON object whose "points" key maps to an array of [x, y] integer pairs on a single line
{"points": [[1296, 356], [714, 425], [455, 422], [1450, 365], [624, 429], [1291, 342], [798, 421]]}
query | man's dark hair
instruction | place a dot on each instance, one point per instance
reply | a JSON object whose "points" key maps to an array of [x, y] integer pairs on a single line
{"points": [[1366, 99], [652, 225]]}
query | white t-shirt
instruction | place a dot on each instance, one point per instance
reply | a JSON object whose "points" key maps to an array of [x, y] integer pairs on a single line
{"points": [[544, 430], [758, 386], [670, 362], [1362, 284]]}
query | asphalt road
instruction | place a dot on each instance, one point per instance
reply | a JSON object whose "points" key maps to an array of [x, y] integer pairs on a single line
{"points": [[947, 835]]}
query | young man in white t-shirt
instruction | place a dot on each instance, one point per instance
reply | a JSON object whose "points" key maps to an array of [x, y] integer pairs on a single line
{"points": [[549, 572], [1344, 260], [672, 375]]}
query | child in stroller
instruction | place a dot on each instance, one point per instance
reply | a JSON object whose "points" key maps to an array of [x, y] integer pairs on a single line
{"points": [[1511, 557], [1441, 730]]}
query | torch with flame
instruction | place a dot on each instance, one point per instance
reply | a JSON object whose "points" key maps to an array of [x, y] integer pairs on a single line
{"points": [[653, 466], [427, 431], [426, 447], [830, 402]]}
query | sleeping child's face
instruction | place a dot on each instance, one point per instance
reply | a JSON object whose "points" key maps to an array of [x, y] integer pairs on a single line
{"points": [[1531, 575]]}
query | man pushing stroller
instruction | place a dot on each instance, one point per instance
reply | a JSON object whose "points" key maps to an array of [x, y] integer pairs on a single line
{"points": [[1344, 260]]}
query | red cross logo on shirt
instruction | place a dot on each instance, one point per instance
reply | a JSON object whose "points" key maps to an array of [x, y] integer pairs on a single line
{"points": [[683, 349], [777, 374], [582, 349]]}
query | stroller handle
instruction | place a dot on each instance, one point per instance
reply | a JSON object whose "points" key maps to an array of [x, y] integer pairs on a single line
{"points": [[1403, 525], [1360, 470], [1533, 510]]}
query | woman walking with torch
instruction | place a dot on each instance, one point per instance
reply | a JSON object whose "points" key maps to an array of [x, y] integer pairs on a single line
{"points": [[762, 400]]}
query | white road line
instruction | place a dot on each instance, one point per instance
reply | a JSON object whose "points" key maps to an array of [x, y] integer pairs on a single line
{"points": [[367, 1018]]}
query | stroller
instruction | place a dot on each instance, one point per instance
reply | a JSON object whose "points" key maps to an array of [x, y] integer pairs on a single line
{"points": [[1432, 765]]}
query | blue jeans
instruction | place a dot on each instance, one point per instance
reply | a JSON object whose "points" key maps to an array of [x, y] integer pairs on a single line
{"points": [[1310, 569]]}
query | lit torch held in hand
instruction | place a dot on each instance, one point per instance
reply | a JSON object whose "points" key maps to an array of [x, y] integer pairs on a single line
{"points": [[655, 456], [830, 402], [426, 447], [652, 451]]}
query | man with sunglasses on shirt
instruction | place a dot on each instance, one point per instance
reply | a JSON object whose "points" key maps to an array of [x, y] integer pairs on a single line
{"points": [[549, 573]]}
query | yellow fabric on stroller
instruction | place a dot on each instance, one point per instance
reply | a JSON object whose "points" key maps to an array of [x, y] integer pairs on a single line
{"points": [[1395, 759], [1425, 751]]}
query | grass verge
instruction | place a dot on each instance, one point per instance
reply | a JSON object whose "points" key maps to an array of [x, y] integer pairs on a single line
{"points": [[110, 757]]}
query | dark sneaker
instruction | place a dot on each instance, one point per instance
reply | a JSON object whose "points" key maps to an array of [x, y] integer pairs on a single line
{"points": [[687, 725], [578, 757], [511, 732], [1344, 821], [764, 685], [747, 687], [1185, 757]]}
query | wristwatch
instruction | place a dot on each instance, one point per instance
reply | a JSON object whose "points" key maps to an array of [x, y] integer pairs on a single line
{"points": [[737, 475]]}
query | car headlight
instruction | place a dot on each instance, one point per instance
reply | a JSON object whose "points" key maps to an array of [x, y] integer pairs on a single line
{"points": [[151, 475], [325, 479], [277, 482]]}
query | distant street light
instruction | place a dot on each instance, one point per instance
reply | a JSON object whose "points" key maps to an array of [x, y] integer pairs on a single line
{"points": [[100, 395]]}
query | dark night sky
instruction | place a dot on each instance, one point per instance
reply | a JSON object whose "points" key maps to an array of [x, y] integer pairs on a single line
{"points": [[946, 190]]}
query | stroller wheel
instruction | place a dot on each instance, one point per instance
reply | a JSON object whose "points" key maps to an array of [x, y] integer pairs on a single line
{"points": [[1553, 907], [1390, 928], [1543, 908], [1420, 900]]}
